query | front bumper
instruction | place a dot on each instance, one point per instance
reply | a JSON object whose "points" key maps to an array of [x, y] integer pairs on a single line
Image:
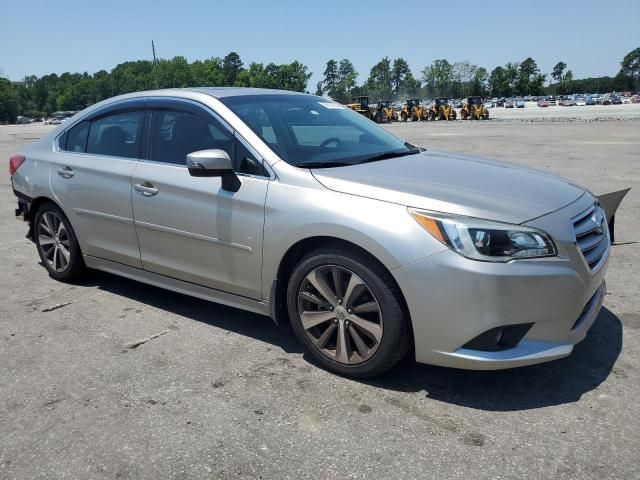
{"points": [[452, 300]]}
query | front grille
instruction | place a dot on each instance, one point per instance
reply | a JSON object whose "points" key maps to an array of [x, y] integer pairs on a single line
{"points": [[592, 235]]}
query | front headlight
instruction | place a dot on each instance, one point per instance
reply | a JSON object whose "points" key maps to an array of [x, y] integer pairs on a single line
{"points": [[485, 240]]}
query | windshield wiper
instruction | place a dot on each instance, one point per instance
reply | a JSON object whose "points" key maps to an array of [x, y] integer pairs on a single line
{"points": [[323, 164], [387, 155]]}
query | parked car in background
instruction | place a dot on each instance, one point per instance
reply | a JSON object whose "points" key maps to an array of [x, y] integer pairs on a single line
{"points": [[508, 103], [581, 101], [519, 103], [590, 100], [552, 101], [543, 102], [635, 99], [465, 262]]}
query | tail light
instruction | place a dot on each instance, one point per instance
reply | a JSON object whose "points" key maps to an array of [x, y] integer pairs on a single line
{"points": [[15, 162]]}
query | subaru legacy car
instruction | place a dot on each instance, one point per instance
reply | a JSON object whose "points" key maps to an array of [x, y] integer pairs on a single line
{"points": [[295, 207]]}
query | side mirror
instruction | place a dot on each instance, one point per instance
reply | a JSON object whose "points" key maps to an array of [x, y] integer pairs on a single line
{"points": [[213, 163]]}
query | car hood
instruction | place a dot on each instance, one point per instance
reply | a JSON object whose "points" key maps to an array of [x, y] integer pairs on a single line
{"points": [[456, 184]]}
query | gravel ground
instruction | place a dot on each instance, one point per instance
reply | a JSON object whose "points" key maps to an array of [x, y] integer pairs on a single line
{"points": [[220, 393]]}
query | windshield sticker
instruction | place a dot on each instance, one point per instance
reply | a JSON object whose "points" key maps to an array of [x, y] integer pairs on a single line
{"points": [[331, 105]]}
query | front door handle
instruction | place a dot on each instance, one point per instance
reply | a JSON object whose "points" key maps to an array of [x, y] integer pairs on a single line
{"points": [[147, 189], [65, 172]]}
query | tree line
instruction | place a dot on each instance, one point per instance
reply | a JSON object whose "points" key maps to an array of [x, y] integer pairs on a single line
{"points": [[40, 96], [388, 80]]}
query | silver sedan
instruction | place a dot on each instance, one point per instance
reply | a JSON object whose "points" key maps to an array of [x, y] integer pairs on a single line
{"points": [[297, 208]]}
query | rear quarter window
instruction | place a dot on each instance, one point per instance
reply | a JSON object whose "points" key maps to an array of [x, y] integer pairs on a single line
{"points": [[76, 137]]}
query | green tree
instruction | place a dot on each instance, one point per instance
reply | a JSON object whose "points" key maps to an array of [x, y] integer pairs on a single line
{"points": [[511, 72], [9, 102], [330, 82], [379, 83], [399, 73], [347, 76], [631, 69], [479, 83], [527, 70], [293, 76], [231, 67], [438, 77], [498, 82]]}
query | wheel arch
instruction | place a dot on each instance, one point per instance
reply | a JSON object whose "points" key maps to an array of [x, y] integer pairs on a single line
{"points": [[35, 205], [297, 251]]}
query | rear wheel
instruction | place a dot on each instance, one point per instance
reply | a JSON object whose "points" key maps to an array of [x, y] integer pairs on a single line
{"points": [[346, 311], [57, 244]]}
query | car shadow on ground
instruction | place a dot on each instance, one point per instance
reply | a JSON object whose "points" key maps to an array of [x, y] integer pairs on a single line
{"points": [[553, 383], [227, 318]]}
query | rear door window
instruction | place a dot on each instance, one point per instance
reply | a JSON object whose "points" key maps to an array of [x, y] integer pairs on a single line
{"points": [[116, 135]]}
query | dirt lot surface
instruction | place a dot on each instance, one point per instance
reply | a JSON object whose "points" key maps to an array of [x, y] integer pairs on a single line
{"points": [[221, 393]]}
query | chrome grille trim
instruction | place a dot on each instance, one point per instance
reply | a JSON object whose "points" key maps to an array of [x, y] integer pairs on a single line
{"points": [[592, 235]]}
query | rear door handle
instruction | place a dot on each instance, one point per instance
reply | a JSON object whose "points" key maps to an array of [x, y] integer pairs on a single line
{"points": [[65, 172], [147, 189]]}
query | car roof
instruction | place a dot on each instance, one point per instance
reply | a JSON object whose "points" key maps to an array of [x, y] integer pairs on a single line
{"points": [[221, 92]]}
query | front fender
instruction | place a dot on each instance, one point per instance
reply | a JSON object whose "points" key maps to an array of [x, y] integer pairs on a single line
{"points": [[385, 230]]}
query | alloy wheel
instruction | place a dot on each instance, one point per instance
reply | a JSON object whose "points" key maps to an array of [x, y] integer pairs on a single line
{"points": [[53, 241], [340, 314]]}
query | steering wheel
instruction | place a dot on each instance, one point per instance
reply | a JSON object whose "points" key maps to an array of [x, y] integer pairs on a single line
{"points": [[328, 141]]}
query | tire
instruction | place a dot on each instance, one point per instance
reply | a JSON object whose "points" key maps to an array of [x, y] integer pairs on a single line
{"points": [[57, 244], [378, 118], [386, 332]]}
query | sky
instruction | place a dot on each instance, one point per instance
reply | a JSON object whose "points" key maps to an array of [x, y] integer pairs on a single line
{"points": [[43, 36]]}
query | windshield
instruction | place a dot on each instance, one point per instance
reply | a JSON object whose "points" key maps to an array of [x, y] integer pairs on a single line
{"points": [[313, 132]]}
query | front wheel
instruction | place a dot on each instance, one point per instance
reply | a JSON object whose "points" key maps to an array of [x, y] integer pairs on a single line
{"points": [[346, 310], [57, 244]]}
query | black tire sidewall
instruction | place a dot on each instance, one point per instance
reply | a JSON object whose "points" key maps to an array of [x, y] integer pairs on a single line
{"points": [[394, 343], [76, 266]]}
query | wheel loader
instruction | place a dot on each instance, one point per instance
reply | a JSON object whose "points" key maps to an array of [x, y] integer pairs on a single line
{"points": [[414, 110], [383, 112], [441, 110], [474, 109], [361, 105]]}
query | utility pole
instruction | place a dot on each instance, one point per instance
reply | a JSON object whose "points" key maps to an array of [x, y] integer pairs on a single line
{"points": [[155, 63]]}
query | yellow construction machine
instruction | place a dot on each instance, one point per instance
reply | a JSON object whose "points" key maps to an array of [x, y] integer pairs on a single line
{"points": [[360, 105], [441, 110], [383, 112], [414, 110], [474, 109]]}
